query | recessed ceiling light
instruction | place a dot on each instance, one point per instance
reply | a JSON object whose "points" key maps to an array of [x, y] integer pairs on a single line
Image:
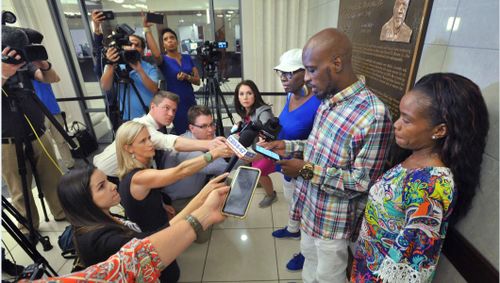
{"points": [[199, 14], [119, 1], [143, 6], [230, 12], [220, 15]]}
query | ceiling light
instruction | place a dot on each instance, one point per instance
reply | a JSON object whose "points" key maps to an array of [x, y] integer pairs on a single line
{"points": [[128, 6], [143, 6], [230, 12], [181, 21], [119, 1], [220, 15], [198, 14]]}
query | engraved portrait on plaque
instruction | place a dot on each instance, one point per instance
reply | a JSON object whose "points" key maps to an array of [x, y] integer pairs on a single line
{"points": [[395, 29]]}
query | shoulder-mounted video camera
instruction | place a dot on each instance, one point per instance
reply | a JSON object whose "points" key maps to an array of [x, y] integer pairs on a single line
{"points": [[26, 42], [209, 52], [120, 38]]}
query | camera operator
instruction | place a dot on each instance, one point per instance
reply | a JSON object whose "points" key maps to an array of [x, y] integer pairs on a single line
{"points": [[13, 126], [144, 75], [178, 70]]}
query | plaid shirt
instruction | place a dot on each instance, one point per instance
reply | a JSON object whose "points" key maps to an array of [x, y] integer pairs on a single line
{"points": [[347, 146]]}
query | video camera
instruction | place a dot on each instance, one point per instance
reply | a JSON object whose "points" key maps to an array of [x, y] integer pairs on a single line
{"points": [[119, 38], [25, 41], [209, 52]]}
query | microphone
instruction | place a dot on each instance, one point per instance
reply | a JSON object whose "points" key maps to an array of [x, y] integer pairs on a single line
{"points": [[247, 136], [26, 42]]}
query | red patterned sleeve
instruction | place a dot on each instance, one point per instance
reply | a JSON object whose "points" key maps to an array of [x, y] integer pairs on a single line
{"points": [[136, 261]]}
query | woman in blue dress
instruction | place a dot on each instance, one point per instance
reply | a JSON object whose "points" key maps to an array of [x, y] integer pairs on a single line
{"points": [[179, 71]]}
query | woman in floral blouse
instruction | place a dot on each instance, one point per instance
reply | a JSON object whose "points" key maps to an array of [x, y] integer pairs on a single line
{"points": [[444, 122]]}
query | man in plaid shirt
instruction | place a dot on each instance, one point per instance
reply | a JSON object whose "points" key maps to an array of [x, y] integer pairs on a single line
{"points": [[342, 157]]}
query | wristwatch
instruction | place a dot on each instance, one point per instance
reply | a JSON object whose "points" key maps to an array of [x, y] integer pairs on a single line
{"points": [[307, 171], [208, 157]]}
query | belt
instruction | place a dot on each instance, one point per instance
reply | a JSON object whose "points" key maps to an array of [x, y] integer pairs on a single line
{"points": [[11, 140]]}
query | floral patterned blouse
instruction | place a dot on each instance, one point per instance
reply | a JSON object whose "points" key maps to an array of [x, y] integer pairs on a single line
{"points": [[136, 261], [404, 225]]}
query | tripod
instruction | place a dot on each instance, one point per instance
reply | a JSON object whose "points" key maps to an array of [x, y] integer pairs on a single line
{"points": [[213, 97], [124, 85], [16, 100], [21, 239]]}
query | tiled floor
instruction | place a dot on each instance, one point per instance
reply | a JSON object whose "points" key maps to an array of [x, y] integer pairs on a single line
{"points": [[238, 250]]}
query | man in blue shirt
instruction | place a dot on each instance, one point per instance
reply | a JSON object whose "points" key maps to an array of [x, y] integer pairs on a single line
{"points": [[143, 75], [46, 94]]}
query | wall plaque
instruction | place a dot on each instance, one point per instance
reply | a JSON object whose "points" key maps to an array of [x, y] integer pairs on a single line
{"points": [[387, 38]]}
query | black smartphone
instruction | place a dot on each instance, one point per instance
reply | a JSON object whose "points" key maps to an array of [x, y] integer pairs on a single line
{"points": [[241, 192], [154, 18], [267, 153], [108, 15]]}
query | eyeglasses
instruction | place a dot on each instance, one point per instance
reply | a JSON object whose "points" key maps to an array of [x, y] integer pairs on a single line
{"points": [[204, 127], [287, 75]]}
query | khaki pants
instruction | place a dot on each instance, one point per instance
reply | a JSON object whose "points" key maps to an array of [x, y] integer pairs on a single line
{"points": [[48, 175], [180, 204], [62, 145]]}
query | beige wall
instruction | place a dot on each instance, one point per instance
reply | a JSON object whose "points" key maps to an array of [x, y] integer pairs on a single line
{"points": [[470, 48]]}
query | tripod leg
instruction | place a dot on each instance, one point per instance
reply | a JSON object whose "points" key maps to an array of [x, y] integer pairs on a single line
{"points": [[225, 105], [21, 163], [30, 156], [24, 243], [21, 219]]}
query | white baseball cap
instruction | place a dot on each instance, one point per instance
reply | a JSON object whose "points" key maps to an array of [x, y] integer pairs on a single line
{"points": [[290, 61]]}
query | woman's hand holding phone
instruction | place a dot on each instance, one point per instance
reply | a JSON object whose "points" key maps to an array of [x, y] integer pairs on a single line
{"points": [[209, 212]]}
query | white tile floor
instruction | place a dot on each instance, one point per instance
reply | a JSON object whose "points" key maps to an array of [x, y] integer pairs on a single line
{"points": [[238, 250]]}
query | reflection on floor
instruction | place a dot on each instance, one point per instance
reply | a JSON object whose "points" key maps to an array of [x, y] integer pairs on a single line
{"points": [[238, 250]]}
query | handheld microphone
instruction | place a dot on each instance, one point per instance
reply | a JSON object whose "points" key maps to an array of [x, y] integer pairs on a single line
{"points": [[247, 136]]}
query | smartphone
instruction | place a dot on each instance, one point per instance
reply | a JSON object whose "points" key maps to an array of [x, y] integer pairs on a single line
{"points": [[241, 192], [221, 44], [267, 153], [108, 15], [154, 18]]}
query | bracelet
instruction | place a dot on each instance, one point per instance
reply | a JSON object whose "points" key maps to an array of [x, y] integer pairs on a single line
{"points": [[147, 29], [195, 224], [48, 69]]}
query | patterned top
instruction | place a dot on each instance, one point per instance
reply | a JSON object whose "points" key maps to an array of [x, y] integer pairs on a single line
{"points": [[404, 225], [137, 261], [347, 146]]}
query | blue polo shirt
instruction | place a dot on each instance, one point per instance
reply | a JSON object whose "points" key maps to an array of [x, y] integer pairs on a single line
{"points": [[131, 98], [46, 94]]}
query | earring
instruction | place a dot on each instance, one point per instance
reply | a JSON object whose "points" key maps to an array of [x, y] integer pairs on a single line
{"points": [[434, 137], [133, 156]]}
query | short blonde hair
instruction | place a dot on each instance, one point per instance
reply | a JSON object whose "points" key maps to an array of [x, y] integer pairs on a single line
{"points": [[126, 135]]}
